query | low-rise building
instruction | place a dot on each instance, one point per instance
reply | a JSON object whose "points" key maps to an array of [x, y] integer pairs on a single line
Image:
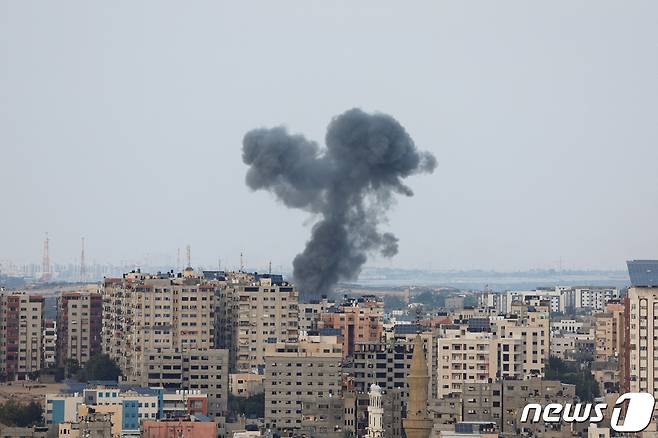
{"points": [[194, 426]]}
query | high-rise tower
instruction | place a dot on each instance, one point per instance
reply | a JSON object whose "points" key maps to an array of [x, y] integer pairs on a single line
{"points": [[46, 274], [83, 270], [418, 424]]}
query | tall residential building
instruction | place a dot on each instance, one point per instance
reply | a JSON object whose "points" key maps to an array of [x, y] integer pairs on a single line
{"points": [[310, 314], [360, 320], [641, 314], [610, 332], [387, 364], [595, 298], [503, 401], [466, 357], [159, 328], [642, 346], [50, 343], [21, 331], [267, 313], [303, 389], [532, 328], [79, 325]]}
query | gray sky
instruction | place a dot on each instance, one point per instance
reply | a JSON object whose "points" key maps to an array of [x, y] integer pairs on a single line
{"points": [[123, 121]]}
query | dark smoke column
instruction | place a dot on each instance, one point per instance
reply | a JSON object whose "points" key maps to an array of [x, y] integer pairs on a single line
{"points": [[350, 185]]}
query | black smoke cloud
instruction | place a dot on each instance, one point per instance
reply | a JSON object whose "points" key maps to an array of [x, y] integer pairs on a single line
{"points": [[350, 185]]}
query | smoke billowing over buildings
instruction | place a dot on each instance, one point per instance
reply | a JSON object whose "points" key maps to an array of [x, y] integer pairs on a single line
{"points": [[350, 184]]}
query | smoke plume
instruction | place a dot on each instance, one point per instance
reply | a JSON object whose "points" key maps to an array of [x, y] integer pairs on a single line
{"points": [[349, 185]]}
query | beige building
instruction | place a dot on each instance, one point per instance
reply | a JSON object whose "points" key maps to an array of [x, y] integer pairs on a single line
{"points": [[610, 332], [245, 384], [160, 329], [310, 314], [79, 324], [643, 329], [50, 343], [93, 424], [532, 328], [303, 389], [572, 346], [359, 320], [21, 330], [476, 357], [501, 404], [267, 313]]}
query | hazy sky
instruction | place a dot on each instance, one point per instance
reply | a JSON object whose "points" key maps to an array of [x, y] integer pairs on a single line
{"points": [[123, 121]]}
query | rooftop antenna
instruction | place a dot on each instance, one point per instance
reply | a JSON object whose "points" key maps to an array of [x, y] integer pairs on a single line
{"points": [[241, 263], [45, 262], [178, 259], [83, 272], [189, 256], [270, 268], [219, 263]]}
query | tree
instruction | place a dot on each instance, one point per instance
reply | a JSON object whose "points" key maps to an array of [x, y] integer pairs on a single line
{"points": [[251, 407], [15, 414], [99, 367], [587, 388], [72, 367], [393, 302]]}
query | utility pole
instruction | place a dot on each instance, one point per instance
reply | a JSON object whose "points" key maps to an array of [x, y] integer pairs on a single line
{"points": [[83, 271], [45, 262]]}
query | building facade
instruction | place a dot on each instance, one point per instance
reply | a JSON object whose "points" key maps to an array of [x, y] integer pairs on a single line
{"points": [[22, 325], [79, 325]]}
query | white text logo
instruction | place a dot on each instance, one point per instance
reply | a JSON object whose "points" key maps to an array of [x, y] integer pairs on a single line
{"points": [[638, 415]]}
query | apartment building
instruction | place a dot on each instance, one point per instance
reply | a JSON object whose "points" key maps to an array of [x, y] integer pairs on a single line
{"points": [[79, 325], [194, 426], [555, 299], [310, 314], [502, 402], [567, 326], [610, 332], [595, 298], [50, 343], [204, 370], [466, 357], [303, 389], [642, 347], [22, 325], [245, 384], [532, 328], [160, 329], [359, 320], [128, 406], [386, 363], [267, 313], [573, 346]]}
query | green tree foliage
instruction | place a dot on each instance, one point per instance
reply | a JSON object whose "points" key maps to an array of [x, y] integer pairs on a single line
{"points": [[99, 367], [587, 389], [21, 415], [470, 301], [430, 299], [393, 302], [250, 407]]}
